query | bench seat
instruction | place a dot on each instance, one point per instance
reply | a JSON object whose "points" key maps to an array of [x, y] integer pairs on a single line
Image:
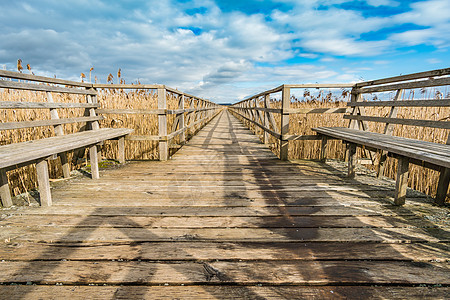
{"points": [[38, 151], [433, 153], [26, 152]]}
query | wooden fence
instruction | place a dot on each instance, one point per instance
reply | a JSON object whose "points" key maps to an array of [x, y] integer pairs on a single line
{"points": [[192, 111], [258, 110]]}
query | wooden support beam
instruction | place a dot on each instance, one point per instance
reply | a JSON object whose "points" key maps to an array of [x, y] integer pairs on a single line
{"points": [[388, 129], [162, 125], [402, 180], [93, 157], [442, 190], [285, 104], [44, 183], [443, 184], [5, 193], [59, 131], [182, 121], [323, 149], [266, 118], [121, 149], [351, 160]]}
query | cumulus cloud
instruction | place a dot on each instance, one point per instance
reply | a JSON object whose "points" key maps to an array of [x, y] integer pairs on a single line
{"points": [[201, 47]]}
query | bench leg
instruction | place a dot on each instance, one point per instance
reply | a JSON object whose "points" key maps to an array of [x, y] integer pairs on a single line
{"points": [[44, 183], [351, 160], [381, 164], [65, 165], [5, 193], [323, 149], [444, 180], [93, 157], [121, 154], [402, 181]]}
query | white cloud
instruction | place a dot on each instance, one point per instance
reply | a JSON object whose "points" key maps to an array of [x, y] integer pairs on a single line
{"points": [[209, 52], [346, 46], [377, 3]]}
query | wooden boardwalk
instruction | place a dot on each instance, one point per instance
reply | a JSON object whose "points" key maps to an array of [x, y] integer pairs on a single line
{"points": [[224, 218]]}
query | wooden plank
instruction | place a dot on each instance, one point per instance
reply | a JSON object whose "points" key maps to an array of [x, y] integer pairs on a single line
{"points": [[407, 85], [410, 122], [310, 273], [121, 150], [332, 110], [263, 109], [30, 77], [420, 75], [182, 120], [128, 86], [403, 103], [93, 157], [40, 123], [59, 131], [285, 104], [320, 85], [142, 137], [42, 88], [220, 211], [402, 181], [214, 250], [5, 193], [43, 105], [107, 111], [388, 130], [305, 137], [162, 126], [352, 159], [83, 221], [45, 195], [271, 91], [443, 184], [221, 292], [263, 235]]}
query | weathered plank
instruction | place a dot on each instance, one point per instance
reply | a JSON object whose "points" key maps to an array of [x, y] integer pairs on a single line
{"points": [[228, 251], [222, 292], [311, 273]]}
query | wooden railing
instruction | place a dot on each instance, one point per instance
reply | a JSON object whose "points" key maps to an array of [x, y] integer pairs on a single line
{"points": [[262, 116], [258, 110], [191, 112]]}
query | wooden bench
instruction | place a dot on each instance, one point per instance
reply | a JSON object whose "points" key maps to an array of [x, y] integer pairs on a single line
{"points": [[13, 156], [428, 154]]}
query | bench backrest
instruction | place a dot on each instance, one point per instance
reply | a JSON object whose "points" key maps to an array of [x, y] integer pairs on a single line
{"points": [[47, 87], [438, 81]]}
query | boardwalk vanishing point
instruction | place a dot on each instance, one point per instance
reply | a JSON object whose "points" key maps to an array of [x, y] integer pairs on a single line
{"points": [[224, 218]]}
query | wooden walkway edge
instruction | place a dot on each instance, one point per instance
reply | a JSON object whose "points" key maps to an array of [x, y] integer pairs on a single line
{"points": [[224, 219]]}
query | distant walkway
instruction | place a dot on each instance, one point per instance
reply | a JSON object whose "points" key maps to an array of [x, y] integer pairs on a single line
{"points": [[224, 218]]}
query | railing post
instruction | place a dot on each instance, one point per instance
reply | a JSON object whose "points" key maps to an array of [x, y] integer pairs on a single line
{"points": [[266, 118], [285, 105], [182, 125], [162, 125]]}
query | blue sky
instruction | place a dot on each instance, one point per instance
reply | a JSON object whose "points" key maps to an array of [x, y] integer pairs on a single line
{"points": [[226, 50]]}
